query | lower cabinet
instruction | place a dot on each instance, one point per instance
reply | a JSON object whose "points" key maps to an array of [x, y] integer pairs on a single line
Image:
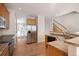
{"points": [[5, 52], [53, 51], [11, 49]]}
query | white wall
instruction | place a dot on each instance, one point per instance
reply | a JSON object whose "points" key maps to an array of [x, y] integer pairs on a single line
{"points": [[48, 25], [41, 28], [70, 21], [72, 51]]}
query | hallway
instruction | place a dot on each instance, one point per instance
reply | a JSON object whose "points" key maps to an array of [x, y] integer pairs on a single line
{"points": [[23, 49]]}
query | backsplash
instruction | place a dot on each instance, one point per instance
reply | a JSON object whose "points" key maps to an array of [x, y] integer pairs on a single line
{"points": [[0, 33]]}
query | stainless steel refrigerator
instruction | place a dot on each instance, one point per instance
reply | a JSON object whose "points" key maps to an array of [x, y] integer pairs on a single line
{"points": [[31, 34]]}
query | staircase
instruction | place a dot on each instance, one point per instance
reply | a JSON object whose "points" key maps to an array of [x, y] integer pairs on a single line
{"points": [[59, 28]]}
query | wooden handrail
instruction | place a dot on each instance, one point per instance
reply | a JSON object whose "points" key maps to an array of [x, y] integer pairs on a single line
{"points": [[62, 26], [65, 34]]}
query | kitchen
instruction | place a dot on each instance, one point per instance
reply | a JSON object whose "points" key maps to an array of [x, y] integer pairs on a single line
{"points": [[37, 35]]}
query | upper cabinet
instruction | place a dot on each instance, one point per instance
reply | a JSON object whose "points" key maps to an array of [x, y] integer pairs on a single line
{"points": [[4, 14], [31, 21]]}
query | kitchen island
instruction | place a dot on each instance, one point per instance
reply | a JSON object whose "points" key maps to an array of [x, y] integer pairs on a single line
{"points": [[10, 40], [57, 48]]}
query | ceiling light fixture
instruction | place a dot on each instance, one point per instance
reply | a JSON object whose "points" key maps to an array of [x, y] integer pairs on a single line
{"points": [[20, 8]]}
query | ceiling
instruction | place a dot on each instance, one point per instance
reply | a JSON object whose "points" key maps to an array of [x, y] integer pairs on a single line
{"points": [[45, 9]]}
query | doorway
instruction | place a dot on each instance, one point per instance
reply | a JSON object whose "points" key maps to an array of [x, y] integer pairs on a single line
{"points": [[27, 31], [21, 28]]}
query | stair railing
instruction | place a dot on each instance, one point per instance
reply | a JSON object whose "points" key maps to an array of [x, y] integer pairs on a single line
{"points": [[63, 28]]}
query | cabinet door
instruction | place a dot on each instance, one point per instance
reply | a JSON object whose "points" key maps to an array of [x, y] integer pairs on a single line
{"points": [[31, 21], [53, 51], [4, 13], [1, 10], [5, 52]]}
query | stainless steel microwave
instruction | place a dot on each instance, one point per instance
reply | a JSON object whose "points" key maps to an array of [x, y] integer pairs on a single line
{"points": [[2, 22]]}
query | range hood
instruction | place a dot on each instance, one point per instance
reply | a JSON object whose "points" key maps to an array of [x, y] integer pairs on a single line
{"points": [[2, 22]]}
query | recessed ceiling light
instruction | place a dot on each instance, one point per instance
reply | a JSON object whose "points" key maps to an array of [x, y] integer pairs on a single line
{"points": [[20, 8]]}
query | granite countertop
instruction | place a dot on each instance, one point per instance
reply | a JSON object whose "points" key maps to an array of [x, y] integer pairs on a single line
{"points": [[59, 45], [56, 33], [6, 37], [49, 35], [74, 41], [2, 47]]}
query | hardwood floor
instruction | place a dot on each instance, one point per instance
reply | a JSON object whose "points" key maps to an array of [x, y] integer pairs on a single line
{"points": [[34, 49]]}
